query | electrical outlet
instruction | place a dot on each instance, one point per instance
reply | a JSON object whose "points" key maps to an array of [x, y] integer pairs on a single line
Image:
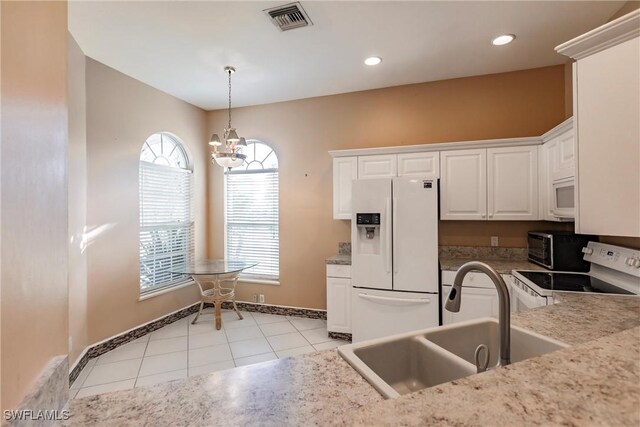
{"points": [[70, 343], [255, 297], [495, 241], [261, 298]]}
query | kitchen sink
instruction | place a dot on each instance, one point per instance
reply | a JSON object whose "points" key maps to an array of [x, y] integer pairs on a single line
{"points": [[463, 338], [404, 363], [407, 364]]}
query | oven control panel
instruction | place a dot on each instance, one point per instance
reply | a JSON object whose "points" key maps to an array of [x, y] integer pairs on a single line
{"points": [[615, 257]]}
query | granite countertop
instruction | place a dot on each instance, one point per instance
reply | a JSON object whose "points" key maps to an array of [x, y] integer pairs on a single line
{"points": [[321, 389], [502, 266], [340, 259]]}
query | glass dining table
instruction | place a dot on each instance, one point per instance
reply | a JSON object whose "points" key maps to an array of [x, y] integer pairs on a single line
{"points": [[217, 280]]}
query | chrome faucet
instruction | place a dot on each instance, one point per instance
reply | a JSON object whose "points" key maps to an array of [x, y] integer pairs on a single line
{"points": [[453, 304]]}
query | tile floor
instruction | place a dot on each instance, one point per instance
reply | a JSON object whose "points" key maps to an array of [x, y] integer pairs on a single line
{"points": [[181, 349]]}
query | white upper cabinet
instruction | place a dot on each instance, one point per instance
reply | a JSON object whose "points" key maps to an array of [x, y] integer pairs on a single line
{"points": [[463, 184], [512, 183], [345, 170], [547, 155], [419, 164], [556, 162], [497, 184], [607, 113], [378, 166], [565, 161]]}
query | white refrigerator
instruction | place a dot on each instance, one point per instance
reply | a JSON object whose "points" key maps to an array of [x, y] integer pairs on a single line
{"points": [[395, 272]]}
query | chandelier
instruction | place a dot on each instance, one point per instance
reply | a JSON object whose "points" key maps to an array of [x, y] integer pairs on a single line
{"points": [[228, 154]]}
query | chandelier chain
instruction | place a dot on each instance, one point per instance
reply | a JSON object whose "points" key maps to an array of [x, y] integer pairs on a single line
{"points": [[229, 99]]}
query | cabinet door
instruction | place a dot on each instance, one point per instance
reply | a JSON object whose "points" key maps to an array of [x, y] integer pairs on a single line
{"points": [[512, 183], [548, 159], [463, 184], [345, 170], [607, 95], [475, 303], [339, 305], [378, 166], [565, 157], [419, 164]]}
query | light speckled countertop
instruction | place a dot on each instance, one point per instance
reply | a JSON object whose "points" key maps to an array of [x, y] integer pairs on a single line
{"points": [[595, 382], [340, 259]]}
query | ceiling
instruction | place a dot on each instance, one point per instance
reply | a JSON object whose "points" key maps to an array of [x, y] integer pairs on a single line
{"points": [[181, 47]]}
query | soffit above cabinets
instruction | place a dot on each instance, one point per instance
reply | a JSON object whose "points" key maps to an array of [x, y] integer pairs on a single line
{"points": [[180, 47]]}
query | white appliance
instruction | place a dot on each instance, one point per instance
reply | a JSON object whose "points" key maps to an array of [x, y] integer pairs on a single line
{"points": [[564, 202], [394, 256], [613, 270]]}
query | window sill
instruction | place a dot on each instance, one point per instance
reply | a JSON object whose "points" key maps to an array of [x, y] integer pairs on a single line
{"points": [[165, 290], [258, 281]]}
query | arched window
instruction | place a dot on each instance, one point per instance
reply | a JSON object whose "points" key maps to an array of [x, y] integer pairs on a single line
{"points": [[251, 212], [166, 213]]}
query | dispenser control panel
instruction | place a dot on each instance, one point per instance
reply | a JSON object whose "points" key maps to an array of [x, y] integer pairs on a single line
{"points": [[368, 219]]}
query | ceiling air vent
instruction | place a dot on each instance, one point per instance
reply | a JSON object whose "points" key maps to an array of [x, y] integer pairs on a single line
{"points": [[289, 16]]}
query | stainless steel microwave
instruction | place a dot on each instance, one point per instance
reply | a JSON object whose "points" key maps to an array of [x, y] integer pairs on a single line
{"points": [[560, 251]]}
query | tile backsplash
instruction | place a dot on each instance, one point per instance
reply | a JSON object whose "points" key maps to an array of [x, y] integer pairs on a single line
{"points": [[344, 248], [483, 252]]}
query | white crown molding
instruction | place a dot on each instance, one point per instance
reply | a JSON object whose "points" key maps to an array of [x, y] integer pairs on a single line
{"points": [[462, 145], [558, 130], [610, 34]]}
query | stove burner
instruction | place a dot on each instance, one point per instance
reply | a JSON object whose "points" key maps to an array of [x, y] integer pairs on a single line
{"points": [[572, 282]]}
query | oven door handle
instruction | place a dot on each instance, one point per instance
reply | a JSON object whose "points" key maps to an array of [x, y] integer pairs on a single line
{"points": [[527, 299]]}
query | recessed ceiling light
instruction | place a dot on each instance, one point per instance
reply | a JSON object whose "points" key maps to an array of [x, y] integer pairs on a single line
{"points": [[373, 60], [503, 39]]}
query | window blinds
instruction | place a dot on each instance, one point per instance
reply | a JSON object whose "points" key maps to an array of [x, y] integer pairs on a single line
{"points": [[166, 225], [252, 221]]}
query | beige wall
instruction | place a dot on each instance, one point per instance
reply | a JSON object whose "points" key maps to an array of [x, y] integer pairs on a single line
{"points": [[34, 192], [121, 114], [516, 104], [77, 173], [628, 7]]}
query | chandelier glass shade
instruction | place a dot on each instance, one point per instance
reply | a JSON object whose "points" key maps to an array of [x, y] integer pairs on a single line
{"points": [[228, 151]]}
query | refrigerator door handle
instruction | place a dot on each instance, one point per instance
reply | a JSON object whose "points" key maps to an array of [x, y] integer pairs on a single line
{"points": [[395, 301], [387, 258], [395, 222]]}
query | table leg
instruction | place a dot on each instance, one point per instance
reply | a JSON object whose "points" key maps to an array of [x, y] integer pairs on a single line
{"points": [[199, 312], [218, 305]]}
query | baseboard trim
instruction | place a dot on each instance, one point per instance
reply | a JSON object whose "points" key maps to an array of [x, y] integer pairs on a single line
{"points": [[109, 344]]}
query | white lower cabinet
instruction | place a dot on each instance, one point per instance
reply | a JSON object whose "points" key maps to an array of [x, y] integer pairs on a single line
{"points": [[479, 297], [339, 298]]}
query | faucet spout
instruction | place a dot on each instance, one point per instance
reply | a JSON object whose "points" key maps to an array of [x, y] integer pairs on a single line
{"points": [[504, 314]]}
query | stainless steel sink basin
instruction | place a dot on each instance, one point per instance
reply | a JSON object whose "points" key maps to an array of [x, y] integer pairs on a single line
{"points": [[404, 363], [463, 338]]}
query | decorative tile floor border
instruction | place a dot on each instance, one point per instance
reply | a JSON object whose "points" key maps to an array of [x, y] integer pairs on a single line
{"points": [[277, 309], [339, 336], [104, 347]]}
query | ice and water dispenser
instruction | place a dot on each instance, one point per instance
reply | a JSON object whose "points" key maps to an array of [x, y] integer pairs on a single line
{"points": [[368, 226]]}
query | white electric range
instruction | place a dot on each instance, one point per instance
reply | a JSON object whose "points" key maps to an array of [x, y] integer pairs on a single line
{"points": [[613, 270]]}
